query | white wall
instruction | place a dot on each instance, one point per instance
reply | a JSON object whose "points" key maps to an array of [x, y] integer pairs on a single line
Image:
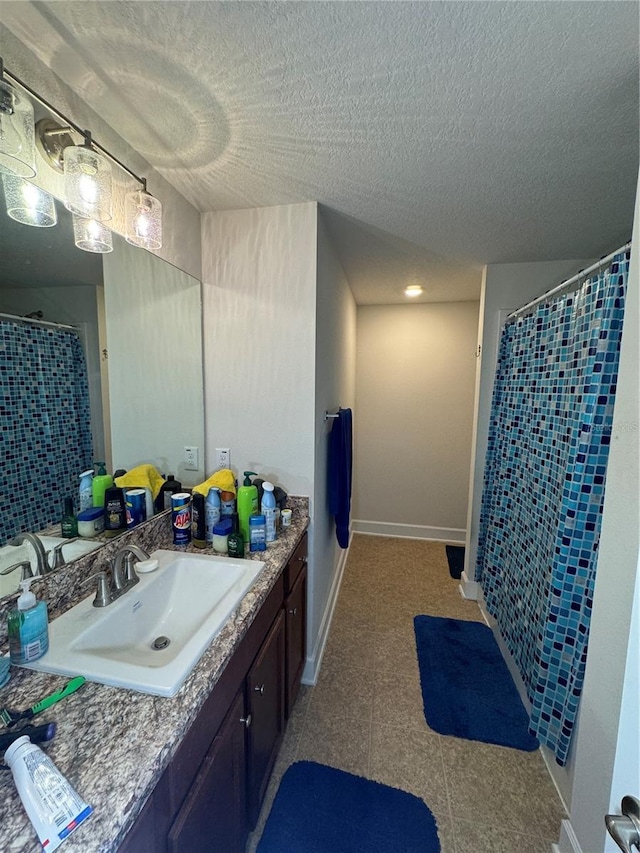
{"points": [[259, 295], [612, 652], [153, 319], [335, 388], [415, 395]]}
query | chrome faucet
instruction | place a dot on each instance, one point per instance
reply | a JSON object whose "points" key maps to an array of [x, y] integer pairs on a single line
{"points": [[42, 565], [126, 557], [24, 565], [123, 575]]}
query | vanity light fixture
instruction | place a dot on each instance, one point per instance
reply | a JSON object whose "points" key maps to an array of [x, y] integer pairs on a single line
{"points": [[87, 181], [91, 235], [87, 169], [27, 203], [17, 145], [413, 290], [143, 218]]}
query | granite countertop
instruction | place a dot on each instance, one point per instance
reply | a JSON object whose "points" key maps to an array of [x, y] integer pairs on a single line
{"points": [[113, 744]]}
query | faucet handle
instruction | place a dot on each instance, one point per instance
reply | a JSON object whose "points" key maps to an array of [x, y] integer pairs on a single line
{"points": [[58, 556], [25, 565], [103, 593]]}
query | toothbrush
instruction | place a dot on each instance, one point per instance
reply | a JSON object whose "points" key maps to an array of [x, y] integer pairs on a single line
{"points": [[10, 718]]}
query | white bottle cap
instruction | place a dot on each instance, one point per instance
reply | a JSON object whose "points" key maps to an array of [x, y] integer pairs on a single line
{"points": [[27, 600], [267, 486]]}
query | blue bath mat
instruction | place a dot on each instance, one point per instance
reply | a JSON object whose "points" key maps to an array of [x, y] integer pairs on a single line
{"points": [[455, 558], [322, 810], [467, 689]]}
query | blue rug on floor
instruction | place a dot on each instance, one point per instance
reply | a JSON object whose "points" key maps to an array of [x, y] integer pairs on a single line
{"points": [[322, 810], [467, 689], [455, 558]]}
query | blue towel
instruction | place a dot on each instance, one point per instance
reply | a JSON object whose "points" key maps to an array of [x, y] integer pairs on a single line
{"points": [[340, 464]]}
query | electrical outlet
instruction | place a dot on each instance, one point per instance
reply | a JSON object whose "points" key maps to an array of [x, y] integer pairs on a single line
{"points": [[191, 458], [223, 457]]}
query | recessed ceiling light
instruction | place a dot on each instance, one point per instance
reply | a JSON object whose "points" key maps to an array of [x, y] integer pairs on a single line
{"points": [[413, 290]]}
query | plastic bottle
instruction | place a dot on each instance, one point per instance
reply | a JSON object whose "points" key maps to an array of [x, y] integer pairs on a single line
{"points": [[86, 490], [53, 806], [28, 627], [258, 533], [115, 514], [198, 519], [69, 523], [269, 510], [235, 541], [101, 482], [247, 503], [211, 512], [227, 504], [170, 487]]}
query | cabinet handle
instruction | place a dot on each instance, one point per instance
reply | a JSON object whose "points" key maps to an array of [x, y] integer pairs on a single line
{"points": [[294, 611], [246, 720], [259, 688], [302, 559]]}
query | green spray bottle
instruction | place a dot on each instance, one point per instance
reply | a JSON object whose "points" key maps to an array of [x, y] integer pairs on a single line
{"points": [[247, 503]]}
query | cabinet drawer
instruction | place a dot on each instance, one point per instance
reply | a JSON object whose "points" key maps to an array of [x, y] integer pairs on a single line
{"points": [[295, 565]]}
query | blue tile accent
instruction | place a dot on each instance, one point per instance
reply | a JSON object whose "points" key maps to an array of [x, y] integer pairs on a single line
{"points": [[45, 423], [544, 485]]}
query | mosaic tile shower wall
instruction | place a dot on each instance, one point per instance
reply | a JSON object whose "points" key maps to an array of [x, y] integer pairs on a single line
{"points": [[544, 484], [45, 424]]}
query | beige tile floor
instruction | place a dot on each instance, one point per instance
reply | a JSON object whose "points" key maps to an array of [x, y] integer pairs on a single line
{"points": [[365, 713]]}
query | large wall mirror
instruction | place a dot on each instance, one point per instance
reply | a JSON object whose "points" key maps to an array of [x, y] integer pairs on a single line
{"points": [[139, 320]]}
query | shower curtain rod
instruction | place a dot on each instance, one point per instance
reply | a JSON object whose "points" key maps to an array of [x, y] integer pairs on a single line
{"points": [[19, 319], [577, 277]]}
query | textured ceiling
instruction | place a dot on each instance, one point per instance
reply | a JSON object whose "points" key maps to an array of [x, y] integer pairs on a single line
{"points": [[437, 136]]}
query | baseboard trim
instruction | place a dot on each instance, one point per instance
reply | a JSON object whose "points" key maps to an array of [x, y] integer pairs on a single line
{"points": [[568, 842], [452, 535], [469, 589], [314, 660]]}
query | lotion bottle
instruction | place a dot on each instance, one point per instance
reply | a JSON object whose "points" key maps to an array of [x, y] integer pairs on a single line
{"points": [[86, 490], [247, 503], [28, 627], [211, 512]]}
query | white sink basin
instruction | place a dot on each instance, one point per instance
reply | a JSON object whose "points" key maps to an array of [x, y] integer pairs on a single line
{"points": [[11, 554], [187, 600]]}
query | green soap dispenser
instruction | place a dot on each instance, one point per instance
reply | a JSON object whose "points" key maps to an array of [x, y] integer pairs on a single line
{"points": [[101, 482], [247, 503]]}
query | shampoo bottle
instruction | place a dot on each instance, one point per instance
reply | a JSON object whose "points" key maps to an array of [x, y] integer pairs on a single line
{"points": [[170, 487], [86, 490], [247, 503], [27, 627], [269, 510], [101, 482], [211, 512]]}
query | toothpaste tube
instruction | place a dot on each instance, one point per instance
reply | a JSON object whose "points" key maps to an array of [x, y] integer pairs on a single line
{"points": [[53, 807]]}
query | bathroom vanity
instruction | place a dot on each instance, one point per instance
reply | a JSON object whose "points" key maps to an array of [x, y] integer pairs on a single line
{"points": [[188, 773]]}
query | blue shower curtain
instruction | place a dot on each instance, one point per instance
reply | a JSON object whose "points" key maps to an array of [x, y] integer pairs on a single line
{"points": [[544, 484], [45, 421]]}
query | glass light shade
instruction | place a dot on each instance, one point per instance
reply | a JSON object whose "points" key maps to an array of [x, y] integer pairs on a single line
{"points": [[17, 136], [143, 220], [92, 236], [87, 183], [27, 203]]}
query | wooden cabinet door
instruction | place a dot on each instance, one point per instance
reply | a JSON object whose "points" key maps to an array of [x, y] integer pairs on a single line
{"points": [[213, 816], [265, 701], [295, 611]]}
